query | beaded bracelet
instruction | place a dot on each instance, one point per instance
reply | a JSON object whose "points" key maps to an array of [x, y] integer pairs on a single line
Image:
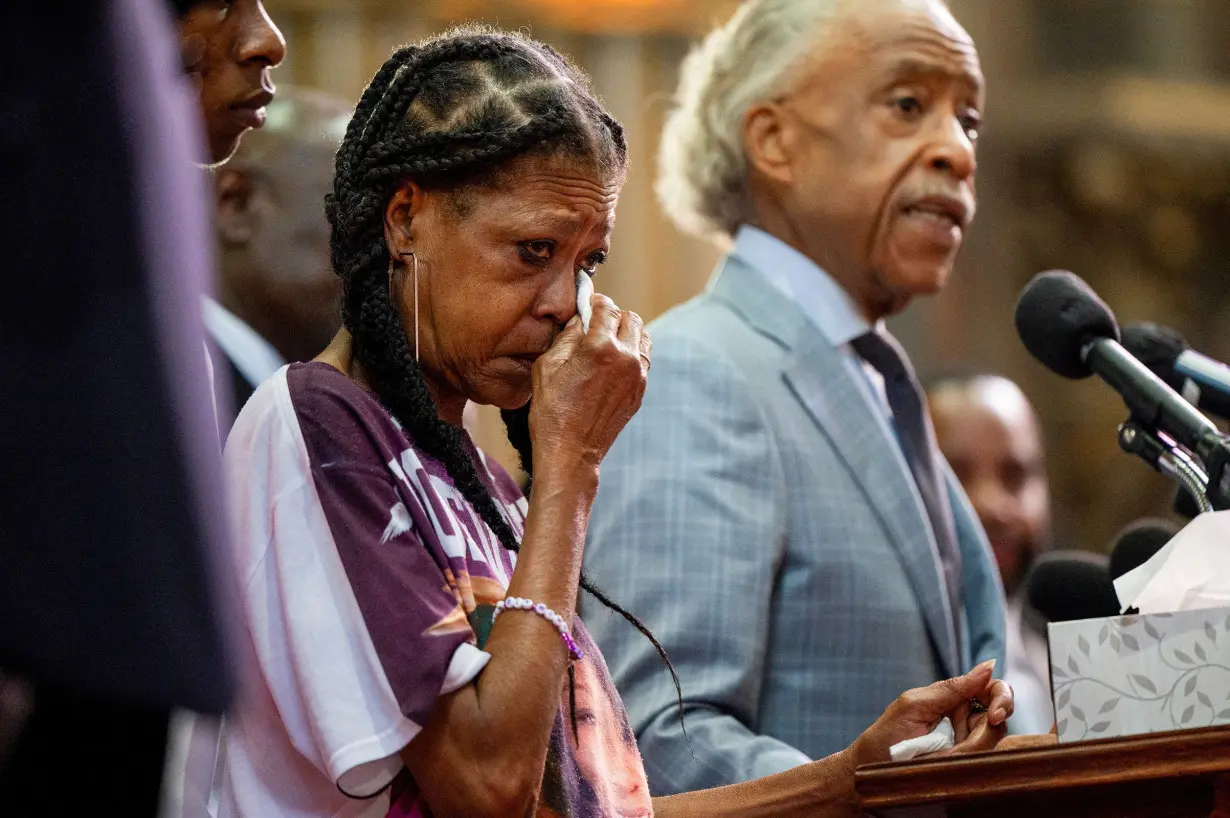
{"points": [[521, 604]]}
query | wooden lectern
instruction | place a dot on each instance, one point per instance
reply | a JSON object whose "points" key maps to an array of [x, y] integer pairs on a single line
{"points": [[1180, 775]]}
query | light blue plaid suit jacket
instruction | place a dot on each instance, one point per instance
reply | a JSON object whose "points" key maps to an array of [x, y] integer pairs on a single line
{"points": [[761, 521]]}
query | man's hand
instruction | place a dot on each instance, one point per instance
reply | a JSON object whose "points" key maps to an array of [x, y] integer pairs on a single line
{"points": [[918, 711]]}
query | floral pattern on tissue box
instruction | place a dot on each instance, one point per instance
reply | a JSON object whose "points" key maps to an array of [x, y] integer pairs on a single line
{"points": [[1130, 675]]}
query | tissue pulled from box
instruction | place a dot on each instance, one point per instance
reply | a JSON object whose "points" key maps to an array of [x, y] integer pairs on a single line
{"points": [[1191, 572], [941, 738]]}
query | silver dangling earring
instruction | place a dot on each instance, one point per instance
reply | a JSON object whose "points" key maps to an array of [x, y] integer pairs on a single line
{"points": [[414, 266], [415, 271]]}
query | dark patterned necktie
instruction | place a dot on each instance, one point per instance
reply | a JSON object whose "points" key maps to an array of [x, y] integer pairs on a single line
{"points": [[917, 438]]}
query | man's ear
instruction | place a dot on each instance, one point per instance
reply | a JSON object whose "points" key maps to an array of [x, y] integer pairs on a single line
{"points": [[404, 205], [234, 217], [768, 141]]}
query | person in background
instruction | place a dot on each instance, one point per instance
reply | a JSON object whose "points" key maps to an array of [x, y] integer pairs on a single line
{"points": [[988, 431], [410, 641], [277, 301], [778, 507], [228, 48], [278, 298]]}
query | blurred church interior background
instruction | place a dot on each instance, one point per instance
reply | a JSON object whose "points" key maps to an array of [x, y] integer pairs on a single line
{"points": [[1106, 151]]}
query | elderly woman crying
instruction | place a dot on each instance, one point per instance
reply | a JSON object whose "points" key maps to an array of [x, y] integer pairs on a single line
{"points": [[409, 617]]}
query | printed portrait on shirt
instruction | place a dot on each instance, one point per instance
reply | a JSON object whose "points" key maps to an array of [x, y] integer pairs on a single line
{"points": [[603, 742]]}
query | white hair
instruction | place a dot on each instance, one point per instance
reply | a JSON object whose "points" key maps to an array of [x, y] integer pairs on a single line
{"points": [[702, 170]]}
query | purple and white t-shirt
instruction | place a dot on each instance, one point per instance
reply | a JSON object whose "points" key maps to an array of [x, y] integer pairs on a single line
{"points": [[368, 586]]}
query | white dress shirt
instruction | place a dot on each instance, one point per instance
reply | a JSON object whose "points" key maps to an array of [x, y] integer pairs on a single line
{"points": [[193, 745], [1029, 673], [253, 356], [824, 302]]}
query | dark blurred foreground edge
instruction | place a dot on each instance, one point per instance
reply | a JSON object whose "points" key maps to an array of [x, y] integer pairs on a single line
{"points": [[110, 501]]}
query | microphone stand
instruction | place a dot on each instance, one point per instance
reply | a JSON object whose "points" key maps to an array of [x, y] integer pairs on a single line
{"points": [[1168, 457], [1217, 463]]}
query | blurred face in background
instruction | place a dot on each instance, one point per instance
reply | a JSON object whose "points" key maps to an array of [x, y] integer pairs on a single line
{"points": [[276, 272], [869, 159], [229, 48], [989, 433]]}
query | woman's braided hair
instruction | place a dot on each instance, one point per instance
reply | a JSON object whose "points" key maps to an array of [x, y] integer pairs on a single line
{"points": [[453, 113]]}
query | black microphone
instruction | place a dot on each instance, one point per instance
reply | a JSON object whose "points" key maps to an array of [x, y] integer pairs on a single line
{"points": [[1137, 543], [1203, 381], [1184, 504], [1064, 586], [1064, 324]]}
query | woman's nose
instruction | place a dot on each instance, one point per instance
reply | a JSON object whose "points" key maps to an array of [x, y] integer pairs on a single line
{"points": [[559, 301]]}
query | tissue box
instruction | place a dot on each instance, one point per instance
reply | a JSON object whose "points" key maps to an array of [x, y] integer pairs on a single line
{"points": [[1128, 675]]}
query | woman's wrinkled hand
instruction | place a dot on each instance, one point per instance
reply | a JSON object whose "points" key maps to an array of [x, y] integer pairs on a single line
{"points": [[917, 712], [588, 385]]}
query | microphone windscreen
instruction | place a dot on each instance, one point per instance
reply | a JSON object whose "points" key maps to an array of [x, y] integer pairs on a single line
{"points": [[1064, 586], [1057, 315], [1137, 543], [1156, 347], [1185, 504]]}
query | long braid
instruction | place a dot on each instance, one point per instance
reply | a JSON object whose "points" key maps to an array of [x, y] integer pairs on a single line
{"points": [[517, 422], [443, 145]]}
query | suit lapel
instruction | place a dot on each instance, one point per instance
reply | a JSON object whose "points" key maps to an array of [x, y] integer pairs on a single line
{"points": [[824, 386]]}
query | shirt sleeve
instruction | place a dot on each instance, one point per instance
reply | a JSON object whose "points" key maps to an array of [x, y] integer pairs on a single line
{"points": [[355, 624]]}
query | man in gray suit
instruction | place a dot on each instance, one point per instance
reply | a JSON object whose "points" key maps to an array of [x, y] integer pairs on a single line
{"points": [[778, 510]]}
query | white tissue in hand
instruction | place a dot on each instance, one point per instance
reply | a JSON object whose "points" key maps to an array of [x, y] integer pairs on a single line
{"points": [[941, 738], [1191, 572], [585, 291]]}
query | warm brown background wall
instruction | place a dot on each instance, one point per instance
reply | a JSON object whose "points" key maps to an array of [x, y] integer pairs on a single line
{"points": [[1106, 151]]}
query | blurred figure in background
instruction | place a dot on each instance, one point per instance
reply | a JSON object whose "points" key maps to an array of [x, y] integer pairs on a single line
{"points": [[990, 435], [278, 298], [228, 48], [278, 301]]}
